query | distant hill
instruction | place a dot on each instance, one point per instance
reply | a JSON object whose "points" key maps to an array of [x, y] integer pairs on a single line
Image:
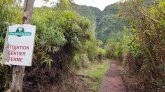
{"points": [[93, 13], [110, 23], [90, 12], [104, 22]]}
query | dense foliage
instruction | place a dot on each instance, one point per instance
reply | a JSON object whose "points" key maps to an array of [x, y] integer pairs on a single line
{"points": [[117, 44], [146, 51], [141, 44], [64, 41]]}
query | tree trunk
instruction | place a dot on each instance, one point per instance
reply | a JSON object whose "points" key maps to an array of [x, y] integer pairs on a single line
{"points": [[18, 71]]}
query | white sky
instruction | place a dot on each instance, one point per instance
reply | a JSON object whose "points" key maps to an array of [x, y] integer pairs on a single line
{"points": [[101, 4]]}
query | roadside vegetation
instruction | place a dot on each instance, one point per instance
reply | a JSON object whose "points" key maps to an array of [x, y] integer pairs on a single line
{"points": [[73, 42], [96, 73], [64, 42]]}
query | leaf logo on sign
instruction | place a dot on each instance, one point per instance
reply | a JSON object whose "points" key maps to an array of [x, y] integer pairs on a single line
{"points": [[20, 31]]}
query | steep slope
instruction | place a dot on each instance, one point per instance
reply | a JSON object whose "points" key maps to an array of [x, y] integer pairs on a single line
{"points": [[90, 12], [93, 13], [105, 22], [110, 23]]}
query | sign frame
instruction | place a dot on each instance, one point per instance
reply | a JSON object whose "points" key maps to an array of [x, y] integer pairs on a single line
{"points": [[19, 45]]}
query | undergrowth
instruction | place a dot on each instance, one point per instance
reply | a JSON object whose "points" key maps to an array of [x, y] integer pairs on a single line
{"points": [[96, 72]]}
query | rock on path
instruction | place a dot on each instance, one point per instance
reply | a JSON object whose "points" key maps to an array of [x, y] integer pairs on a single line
{"points": [[112, 81]]}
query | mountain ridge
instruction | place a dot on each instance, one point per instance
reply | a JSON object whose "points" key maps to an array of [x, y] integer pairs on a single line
{"points": [[104, 22]]}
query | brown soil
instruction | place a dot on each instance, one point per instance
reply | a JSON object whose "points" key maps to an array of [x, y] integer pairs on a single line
{"points": [[112, 81]]}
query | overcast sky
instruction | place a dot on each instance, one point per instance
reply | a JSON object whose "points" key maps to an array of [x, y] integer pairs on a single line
{"points": [[101, 4]]}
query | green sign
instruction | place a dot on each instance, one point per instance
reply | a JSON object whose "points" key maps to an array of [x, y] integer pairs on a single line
{"points": [[20, 31]]}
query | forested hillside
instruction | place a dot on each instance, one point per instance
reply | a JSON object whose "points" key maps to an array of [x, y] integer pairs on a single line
{"points": [[106, 22], [90, 12]]}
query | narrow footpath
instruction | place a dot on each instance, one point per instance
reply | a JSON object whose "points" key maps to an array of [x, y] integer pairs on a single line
{"points": [[112, 81]]}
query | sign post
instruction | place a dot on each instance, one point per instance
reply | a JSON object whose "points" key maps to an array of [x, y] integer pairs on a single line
{"points": [[18, 47]]}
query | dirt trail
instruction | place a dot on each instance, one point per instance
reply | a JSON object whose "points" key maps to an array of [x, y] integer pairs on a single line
{"points": [[112, 81]]}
